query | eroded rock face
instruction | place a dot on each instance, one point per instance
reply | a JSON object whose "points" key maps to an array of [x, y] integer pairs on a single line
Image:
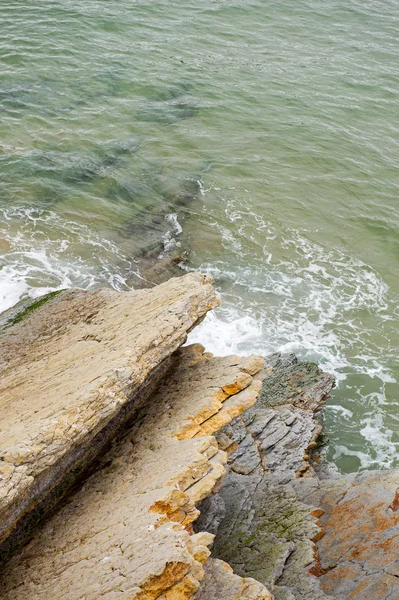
{"points": [[221, 582], [72, 371], [127, 534], [278, 433], [359, 551], [263, 529], [304, 534]]}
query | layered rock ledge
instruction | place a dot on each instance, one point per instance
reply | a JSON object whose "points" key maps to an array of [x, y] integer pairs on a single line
{"points": [[74, 367], [263, 528], [127, 534], [305, 532], [114, 437]]}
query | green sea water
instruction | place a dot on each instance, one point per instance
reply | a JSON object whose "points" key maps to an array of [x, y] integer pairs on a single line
{"points": [[259, 138]]}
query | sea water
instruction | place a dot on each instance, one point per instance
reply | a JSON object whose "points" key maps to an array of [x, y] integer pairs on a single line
{"points": [[259, 138]]}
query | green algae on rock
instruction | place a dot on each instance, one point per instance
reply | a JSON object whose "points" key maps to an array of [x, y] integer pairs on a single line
{"points": [[263, 529], [23, 309]]}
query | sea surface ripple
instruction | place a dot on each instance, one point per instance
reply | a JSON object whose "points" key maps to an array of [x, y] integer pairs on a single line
{"points": [[260, 138]]}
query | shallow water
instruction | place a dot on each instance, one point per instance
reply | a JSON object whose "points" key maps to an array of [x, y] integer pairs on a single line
{"points": [[262, 137]]}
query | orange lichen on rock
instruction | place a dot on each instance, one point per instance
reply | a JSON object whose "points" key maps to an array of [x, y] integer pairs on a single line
{"points": [[360, 551]]}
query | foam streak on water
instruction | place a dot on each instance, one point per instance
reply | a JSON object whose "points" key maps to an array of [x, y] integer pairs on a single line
{"points": [[322, 304]]}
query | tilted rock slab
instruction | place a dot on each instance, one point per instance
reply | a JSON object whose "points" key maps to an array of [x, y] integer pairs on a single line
{"points": [[72, 371], [263, 528], [127, 534]]}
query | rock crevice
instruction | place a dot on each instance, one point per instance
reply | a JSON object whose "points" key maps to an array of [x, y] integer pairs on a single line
{"points": [[154, 449]]}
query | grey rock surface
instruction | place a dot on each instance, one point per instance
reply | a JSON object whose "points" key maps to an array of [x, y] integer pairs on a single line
{"points": [[263, 528], [358, 553]]}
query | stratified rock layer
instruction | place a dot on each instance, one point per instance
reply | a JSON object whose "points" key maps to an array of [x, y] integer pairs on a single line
{"points": [[72, 371], [263, 529], [127, 534], [80, 370]]}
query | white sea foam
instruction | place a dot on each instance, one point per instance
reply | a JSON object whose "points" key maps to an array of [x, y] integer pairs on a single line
{"points": [[283, 144], [12, 288], [312, 305], [308, 305], [40, 256], [347, 414], [378, 441], [229, 334], [170, 240], [172, 218]]}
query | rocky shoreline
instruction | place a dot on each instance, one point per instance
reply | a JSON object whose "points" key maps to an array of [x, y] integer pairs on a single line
{"points": [[135, 468]]}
